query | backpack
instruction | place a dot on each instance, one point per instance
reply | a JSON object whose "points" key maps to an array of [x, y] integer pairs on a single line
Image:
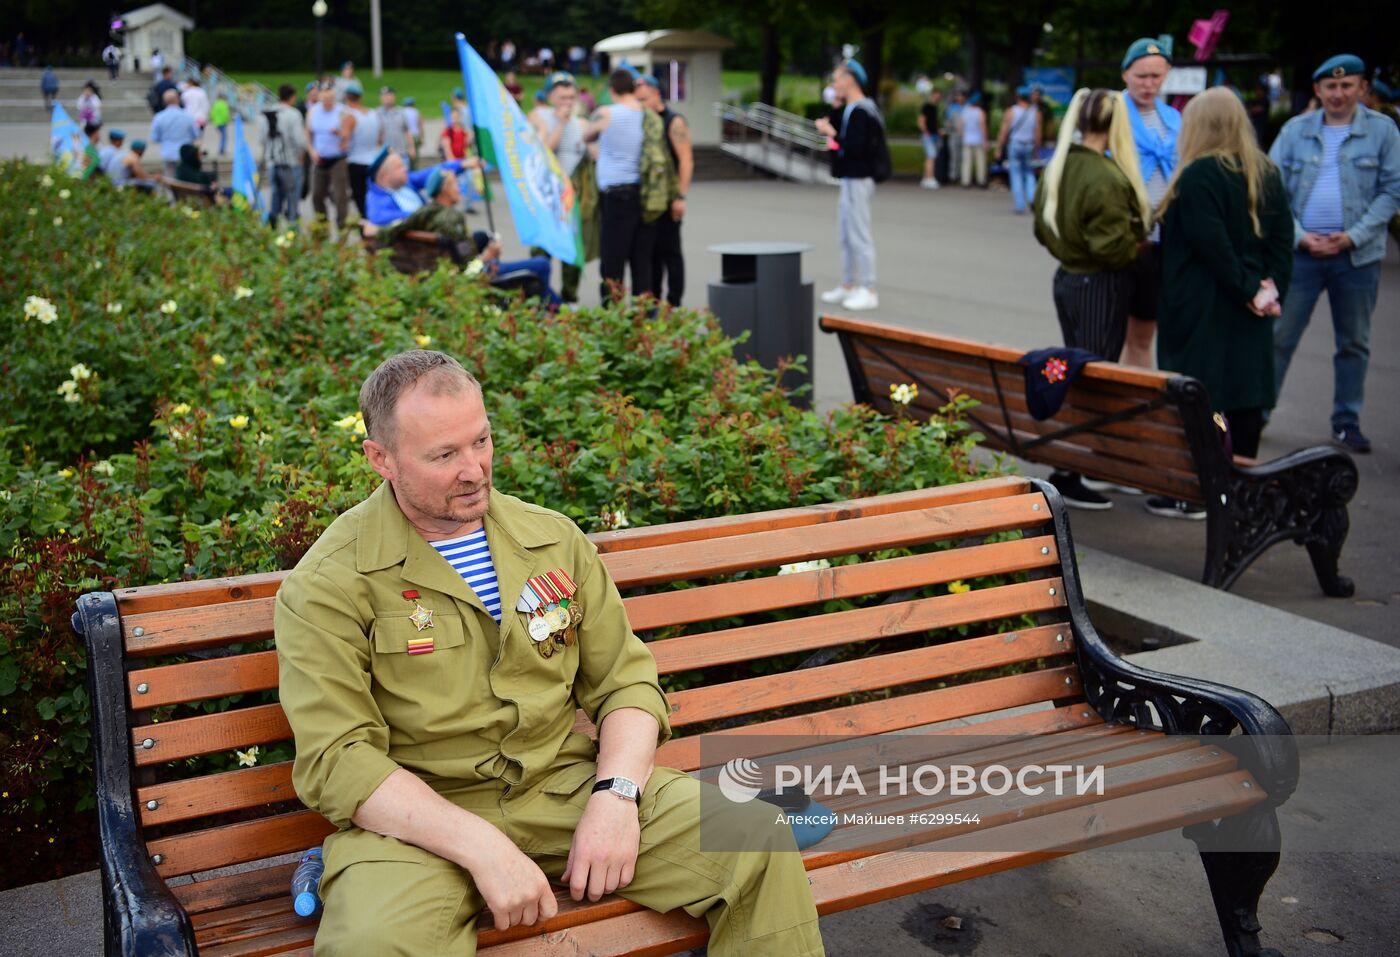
{"points": [[881, 166], [658, 175], [271, 117], [153, 97]]}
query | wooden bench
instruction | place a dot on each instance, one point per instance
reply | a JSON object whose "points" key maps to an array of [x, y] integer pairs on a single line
{"points": [[952, 603], [189, 193], [1138, 427], [417, 250]]}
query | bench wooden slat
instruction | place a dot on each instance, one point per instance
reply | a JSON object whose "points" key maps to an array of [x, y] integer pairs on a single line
{"points": [[147, 598], [215, 793], [865, 674], [748, 642], [862, 327], [200, 680], [897, 714], [239, 843], [188, 629], [668, 563], [728, 526], [666, 608], [210, 895], [207, 733], [937, 374]]}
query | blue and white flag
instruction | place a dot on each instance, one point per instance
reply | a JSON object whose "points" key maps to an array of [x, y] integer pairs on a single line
{"points": [[66, 141], [245, 171], [541, 197]]}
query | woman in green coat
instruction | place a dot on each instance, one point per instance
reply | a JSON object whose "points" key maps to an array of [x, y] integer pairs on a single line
{"points": [[1227, 256]]}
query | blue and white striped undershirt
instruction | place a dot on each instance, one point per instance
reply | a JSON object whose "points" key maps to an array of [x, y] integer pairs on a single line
{"points": [[1322, 213], [471, 558]]}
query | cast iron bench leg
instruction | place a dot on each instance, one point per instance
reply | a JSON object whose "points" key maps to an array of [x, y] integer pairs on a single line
{"points": [[1237, 877], [1303, 497]]}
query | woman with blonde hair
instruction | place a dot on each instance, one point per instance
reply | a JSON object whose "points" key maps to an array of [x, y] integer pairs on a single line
{"points": [[1227, 257], [1091, 213]]}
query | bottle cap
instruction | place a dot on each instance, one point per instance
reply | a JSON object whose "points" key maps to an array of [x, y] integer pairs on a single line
{"points": [[306, 904]]}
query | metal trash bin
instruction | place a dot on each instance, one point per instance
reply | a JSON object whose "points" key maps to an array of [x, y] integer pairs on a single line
{"points": [[761, 291]]}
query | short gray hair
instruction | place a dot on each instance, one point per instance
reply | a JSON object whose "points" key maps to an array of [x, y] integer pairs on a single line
{"points": [[440, 374]]}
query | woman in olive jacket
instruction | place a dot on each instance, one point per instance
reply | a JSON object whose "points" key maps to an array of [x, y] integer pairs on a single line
{"points": [[1091, 213], [1227, 256]]}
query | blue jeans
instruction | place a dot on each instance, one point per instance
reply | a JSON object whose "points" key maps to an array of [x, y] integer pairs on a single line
{"points": [[1018, 168], [1351, 292], [223, 137], [286, 194]]}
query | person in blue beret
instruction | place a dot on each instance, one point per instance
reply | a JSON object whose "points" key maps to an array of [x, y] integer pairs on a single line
{"points": [[856, 162], [393, 192], [440, 214], [1341, 168], [1155, 125]]}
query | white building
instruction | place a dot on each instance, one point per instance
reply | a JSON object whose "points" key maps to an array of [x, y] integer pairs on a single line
{"points": [[150, 28], [687, 62]]}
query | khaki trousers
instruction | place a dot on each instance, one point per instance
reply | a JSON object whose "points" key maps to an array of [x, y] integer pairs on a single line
{"points": [[383, 897]]}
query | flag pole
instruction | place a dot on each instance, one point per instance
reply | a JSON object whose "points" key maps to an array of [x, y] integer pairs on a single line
{"points": [[476, 136]]}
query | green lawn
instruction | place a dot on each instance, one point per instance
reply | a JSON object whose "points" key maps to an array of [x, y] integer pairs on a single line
{"points": [[430, 87]]}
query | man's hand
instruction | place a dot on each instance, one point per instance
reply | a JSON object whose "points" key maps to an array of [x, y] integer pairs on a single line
{"points": [[824, 126], [368, 228], [1321, 246], [677, 209], [603, 854], [471, 162], [513, 886]]}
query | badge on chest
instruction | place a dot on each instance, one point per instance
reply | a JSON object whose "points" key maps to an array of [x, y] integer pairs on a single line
{"points": [[552, 612]]}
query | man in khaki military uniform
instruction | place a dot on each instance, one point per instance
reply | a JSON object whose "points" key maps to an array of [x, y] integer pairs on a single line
{"points": [[440, 742]]}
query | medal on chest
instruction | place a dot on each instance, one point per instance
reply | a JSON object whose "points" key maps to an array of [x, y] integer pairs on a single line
{"points": [[553, 613]]}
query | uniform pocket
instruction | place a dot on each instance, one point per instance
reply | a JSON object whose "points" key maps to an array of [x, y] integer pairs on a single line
{"points": [[392, 634]]}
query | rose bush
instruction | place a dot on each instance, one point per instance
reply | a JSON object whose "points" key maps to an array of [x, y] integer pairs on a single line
{"points": [[180, 396]]}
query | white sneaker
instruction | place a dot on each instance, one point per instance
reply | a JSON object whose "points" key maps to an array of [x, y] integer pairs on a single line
{"points": [[838, 294], [929, 183], [862, 297]]}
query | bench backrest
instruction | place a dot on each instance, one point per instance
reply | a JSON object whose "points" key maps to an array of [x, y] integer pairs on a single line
{"points": [[414, 251], [937, 605], [189, 192], [1140, 427]]}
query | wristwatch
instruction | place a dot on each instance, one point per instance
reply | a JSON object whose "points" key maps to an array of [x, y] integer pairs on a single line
{"points": [[622, 787]]}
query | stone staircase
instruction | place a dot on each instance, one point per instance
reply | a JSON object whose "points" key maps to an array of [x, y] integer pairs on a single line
{"points": [[123, 100]]}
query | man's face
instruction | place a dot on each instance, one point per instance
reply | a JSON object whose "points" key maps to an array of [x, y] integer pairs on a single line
{"points": [[386, 99], [1339, 94], [440, 465], [450, 192], [1143, 78], [392, 173], [347, 71], [843, 83], [563, 97], [649, 95]]}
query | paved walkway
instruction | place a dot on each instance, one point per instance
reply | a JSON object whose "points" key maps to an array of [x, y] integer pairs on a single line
{"points": [[962, 263]]}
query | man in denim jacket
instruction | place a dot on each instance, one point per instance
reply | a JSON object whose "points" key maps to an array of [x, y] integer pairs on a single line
{"points": [[1341, 166]]}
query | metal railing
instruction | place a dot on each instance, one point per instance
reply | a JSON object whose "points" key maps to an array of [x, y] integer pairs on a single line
{"points": [[783, 140], [249, 99]]}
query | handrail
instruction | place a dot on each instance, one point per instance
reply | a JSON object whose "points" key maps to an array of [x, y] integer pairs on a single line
{"points": [[779, 134], [249, 99]]}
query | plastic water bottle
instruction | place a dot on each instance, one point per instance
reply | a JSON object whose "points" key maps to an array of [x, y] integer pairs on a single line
{"points": [[306, 883]]}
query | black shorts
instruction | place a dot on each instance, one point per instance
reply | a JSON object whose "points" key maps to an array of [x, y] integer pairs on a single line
{"points": [[1145, 283]]}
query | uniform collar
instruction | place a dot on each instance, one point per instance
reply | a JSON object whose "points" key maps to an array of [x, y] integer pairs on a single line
{"points": [[513, 529]]}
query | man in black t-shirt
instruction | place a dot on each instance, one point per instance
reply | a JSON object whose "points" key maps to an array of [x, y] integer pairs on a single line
{"points": [[859, 135], [928, 133]]}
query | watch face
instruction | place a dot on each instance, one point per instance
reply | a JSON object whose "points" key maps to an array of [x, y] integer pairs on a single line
{"points": [[625, 788]]}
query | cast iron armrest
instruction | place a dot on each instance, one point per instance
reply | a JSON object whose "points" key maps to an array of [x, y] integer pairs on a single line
{"points": [[1122, 691], [141, 917]]}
